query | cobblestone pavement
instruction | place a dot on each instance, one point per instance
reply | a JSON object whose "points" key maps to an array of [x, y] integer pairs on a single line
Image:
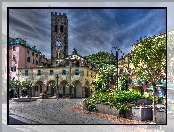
{"points": [[51, 111], [64, 128]]}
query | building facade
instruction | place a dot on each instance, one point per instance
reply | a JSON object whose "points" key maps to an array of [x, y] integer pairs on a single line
{"points": [[42, 77], [22, 55]]}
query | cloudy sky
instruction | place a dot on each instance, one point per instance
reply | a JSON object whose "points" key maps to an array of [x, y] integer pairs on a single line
{"points": [[89, 30]]}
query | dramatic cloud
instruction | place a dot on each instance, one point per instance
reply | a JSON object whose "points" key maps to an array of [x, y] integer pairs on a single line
{"points": [[90, 30]]}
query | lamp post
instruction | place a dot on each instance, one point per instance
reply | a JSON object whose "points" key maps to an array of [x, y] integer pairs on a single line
{"points": [[57, 90], [45, 86], [116, 49]]}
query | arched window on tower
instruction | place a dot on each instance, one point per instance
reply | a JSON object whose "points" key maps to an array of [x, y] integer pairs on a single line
{"points": [[58, 54], [61, 28]]}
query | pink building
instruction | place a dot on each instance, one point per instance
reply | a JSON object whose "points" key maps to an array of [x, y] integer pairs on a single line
{"points": [[22, 55]]}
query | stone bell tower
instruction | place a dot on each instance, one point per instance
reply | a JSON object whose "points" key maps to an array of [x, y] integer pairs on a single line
{"points": [[59, 37]]}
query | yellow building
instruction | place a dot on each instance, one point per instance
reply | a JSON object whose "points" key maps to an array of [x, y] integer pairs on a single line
{"points": [[72, 70]]}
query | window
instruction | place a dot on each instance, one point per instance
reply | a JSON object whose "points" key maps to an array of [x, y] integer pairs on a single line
{"points": [[36, 62], [14, 57], [14, 48], [33, 53], [36, 88], [28, 51], [13, 69], [87, 73], [47, 88], [39, 72], [63, 72], [28, 59], [76, 72], [33, 61], [61, 28], [91, 74], [26, 72], [51, 72], [36, 55]]}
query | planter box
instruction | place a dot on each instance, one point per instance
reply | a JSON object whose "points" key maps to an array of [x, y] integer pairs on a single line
{"points": [[161, 117], [107, 109], [140, 113]]}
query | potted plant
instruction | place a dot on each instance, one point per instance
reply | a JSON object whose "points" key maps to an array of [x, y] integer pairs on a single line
{"points": [[43, 95]]}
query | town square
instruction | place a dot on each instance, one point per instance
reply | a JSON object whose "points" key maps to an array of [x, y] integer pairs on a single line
{"points": [[83, 83]]}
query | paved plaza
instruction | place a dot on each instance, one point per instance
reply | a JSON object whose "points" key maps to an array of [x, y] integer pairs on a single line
{"points": [[51, 111], [31, 113]]}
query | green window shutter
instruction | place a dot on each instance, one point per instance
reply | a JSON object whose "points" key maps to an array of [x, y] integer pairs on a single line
{"points": [[51, 72], [63, 72], [14, 68], [26, 72], [39, 72], [76, 72], [11, 68]]}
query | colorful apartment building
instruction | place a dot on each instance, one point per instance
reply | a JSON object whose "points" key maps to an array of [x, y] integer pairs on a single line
{"points": [[22, 55]]}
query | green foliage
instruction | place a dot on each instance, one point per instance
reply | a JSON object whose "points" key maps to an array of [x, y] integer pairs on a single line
{"points": [[90, 103], [124, 82], [97, 85], [149, 58], [107, 74], [147, 96], [14, 83], [53, 85], [101, 58], [27, 83], [122, 100]]}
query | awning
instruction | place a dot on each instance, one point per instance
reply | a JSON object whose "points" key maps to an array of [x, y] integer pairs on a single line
{"points": [[163, 85], [149, 88]]}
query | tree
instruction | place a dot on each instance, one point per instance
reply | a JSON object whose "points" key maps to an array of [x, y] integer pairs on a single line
{"points": [[28, 84], [15, 84], [124, 82], [54, 86], [149, 59], [101, 58], [107, 74]]}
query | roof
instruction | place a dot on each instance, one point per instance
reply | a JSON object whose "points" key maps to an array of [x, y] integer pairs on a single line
{"points": [[23, 43]]}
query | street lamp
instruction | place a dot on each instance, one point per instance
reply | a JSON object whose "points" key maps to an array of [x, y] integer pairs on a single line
{"points": [[57, 91], [45, 86], [116, 49]]}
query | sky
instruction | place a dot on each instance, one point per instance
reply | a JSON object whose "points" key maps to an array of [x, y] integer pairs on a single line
{"points": [[89, 30]]}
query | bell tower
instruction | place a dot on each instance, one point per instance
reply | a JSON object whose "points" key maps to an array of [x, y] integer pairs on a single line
{"points": [[59, 37]]}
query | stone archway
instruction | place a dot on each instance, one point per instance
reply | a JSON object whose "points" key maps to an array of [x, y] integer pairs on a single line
{"points": [[38, 88], [63, 88], [78, 89]]}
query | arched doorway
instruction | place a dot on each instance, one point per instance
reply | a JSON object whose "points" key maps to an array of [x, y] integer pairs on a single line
{"points": [[50, 89], [78, 89], [38, 88], [63, 88]]}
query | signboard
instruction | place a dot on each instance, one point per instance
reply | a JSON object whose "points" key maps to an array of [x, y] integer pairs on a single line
{"points": [[160, 93]]}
